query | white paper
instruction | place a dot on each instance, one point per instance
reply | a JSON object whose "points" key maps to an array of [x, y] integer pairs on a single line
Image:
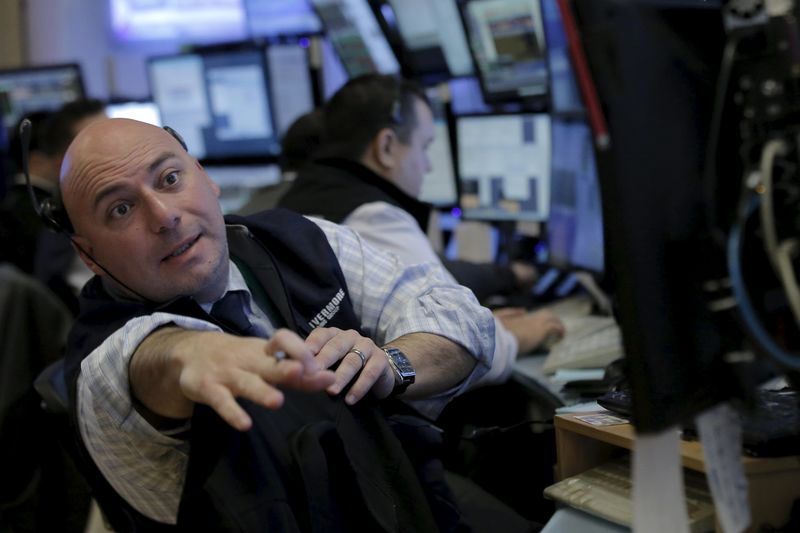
{"points": [[659, 505], [721, 435]]}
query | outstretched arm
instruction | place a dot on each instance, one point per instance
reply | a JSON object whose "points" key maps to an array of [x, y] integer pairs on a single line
{"points": [[174, 368]]}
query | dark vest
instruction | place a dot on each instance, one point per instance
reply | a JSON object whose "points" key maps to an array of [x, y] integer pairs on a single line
{"points": [[333, 188], [313, 465]]}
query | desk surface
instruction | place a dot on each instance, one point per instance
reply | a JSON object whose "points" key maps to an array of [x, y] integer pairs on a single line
{"points": [[623, 436]]}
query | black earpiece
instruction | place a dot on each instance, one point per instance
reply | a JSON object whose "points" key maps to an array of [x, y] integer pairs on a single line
{"points": [[177, 137]]}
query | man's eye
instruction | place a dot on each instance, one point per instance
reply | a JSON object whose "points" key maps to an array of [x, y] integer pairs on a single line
{"points": [[171, 178], [120, 211]]}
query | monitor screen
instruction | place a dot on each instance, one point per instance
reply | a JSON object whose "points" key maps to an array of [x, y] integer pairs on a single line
{"points": [[357, 37], [47, 88], [290, 82], [507, 40], [266, 18], [141, 111], [178, 20], [565, 96], [431, 35], [218, 102], [439, 185], [504, 166], [574, 229]]}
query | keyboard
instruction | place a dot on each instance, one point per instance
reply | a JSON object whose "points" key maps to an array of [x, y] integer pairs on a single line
{"points": [[605, 491], [589, 342]]}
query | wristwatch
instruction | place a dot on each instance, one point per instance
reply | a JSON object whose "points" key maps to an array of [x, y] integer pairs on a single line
{"points": [[404, 374]]}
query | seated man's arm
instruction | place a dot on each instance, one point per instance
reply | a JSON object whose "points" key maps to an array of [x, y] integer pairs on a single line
{"points": [[395, 301]]}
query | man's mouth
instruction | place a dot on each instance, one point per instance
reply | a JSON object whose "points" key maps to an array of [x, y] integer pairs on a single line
{"points": [[182, 249]]}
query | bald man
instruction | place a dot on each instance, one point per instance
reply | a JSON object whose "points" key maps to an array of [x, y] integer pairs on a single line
{"points": [[324, 312]]}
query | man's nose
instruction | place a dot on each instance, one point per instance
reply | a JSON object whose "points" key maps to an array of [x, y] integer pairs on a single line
{"points": [[163, 214]]}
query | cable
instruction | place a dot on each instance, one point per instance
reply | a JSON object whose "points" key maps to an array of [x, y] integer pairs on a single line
{"points": [[778, 253], [728, 57], [471, 432], [757, 332]]}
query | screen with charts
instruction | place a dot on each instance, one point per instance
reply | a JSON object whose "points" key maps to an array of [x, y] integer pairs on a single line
{"points": [[504, 166], [431, 36], [439, 185], [357, 37], [565, 96], [218, 101], [508, 43], [45, 88], [290, 82], [575, 224], [266, 18], [141, 111]]}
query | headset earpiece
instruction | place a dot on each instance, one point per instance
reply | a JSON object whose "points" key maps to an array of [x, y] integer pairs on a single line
{"points": [[177, 137], [55, 217]]}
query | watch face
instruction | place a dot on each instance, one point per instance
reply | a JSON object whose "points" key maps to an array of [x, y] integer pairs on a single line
{"points": [[402, 366]]}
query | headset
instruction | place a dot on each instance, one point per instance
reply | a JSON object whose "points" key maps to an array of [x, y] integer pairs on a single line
{"points": [[51, 210]]}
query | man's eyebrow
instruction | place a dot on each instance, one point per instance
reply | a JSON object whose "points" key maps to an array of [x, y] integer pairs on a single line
{"points": [[159, 160], [111, 189]]}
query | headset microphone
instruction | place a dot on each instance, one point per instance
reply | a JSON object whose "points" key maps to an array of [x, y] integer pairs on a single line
{"points": [[53, 213]]}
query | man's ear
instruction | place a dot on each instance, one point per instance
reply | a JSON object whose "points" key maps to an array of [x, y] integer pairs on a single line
{"points": [[384, 146], [84, 249]]}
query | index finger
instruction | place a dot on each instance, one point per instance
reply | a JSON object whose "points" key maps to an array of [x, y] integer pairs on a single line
{"points": [[290, 344]]}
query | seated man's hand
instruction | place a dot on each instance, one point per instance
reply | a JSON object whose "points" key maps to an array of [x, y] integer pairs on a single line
{"points": [[360, 359], [532, 330], [216, 368]]}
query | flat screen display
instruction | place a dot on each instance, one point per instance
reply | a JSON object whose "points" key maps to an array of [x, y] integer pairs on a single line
{"points": [[507, 40], [218, 101], [45, 88], [439, 186], [575, 224], [504, 166], [141, 111], [178, 20], [266, 18], [357, 37]]}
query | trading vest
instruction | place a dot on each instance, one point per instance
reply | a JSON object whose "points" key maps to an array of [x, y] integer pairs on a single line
{"points": [[333, 188], [315, 464]]}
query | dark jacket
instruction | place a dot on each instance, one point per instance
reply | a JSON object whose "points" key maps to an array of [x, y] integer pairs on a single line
{"points": [[333, 188]]}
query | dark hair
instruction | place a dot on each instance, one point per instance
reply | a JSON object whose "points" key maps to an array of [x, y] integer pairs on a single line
{"points": [[301, 141], [61, 127], [39, 125], [364, 106]]}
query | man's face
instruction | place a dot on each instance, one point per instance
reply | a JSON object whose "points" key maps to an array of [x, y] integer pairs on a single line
{"points": [[145, 210], [412, 158]]}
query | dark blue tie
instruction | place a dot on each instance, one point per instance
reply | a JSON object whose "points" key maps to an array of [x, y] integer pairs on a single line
{"points": [[229, 310]]}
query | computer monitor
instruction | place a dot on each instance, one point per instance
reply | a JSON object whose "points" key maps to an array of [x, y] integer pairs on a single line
{"points": [[439, 186], [44, 88], [504, 166], [267, 18], [430, 37], [507, 41], [136, 110], [655, 66], [354, 31], [192, 21], [218, 101], [565, 97], [574, 229], [290, 81]]}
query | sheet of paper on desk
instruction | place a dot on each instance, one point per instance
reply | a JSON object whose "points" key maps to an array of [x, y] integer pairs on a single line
{"points": [[659, 505], [720, 433], [601, 419], [580, 374]]}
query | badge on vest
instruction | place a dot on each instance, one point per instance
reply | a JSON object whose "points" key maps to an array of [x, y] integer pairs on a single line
{"points": [[327, 313]]}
